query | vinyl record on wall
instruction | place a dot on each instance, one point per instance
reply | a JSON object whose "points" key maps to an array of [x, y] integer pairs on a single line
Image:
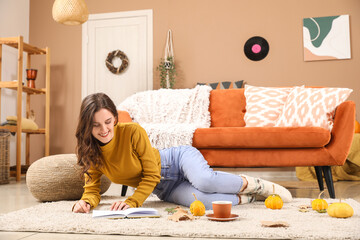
{"points": [[256, 48]]}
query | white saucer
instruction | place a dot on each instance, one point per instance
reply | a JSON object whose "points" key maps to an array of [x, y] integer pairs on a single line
{"points": [[231, 218]]}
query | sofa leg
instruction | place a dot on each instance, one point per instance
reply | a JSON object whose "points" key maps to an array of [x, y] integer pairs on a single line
{"points": [[123, 190], [329, 180], [319, 177]]}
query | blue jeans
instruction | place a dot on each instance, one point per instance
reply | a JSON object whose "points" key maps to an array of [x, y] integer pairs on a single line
{"points": [[185, 171]]}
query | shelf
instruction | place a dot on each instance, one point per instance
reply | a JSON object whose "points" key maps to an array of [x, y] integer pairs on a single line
{"points": [[13, 42], [14, 128], [17, 85], [14, 86], [24, 169]]}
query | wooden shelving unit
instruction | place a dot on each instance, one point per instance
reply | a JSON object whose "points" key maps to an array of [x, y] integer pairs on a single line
{"points": [[18, 43]]}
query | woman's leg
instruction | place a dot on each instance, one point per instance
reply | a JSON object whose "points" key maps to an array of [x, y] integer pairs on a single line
{"points": [[195, 169], [183, 195], [175, 186]]}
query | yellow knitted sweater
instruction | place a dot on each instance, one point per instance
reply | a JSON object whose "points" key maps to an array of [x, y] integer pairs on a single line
{"points": [[129, 159]]}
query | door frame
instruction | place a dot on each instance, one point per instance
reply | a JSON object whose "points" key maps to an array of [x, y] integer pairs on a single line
{"points": [[148, 13]]}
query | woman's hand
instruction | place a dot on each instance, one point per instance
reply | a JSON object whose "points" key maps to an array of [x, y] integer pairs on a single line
{"points": [[119, 205], [81, 207]]}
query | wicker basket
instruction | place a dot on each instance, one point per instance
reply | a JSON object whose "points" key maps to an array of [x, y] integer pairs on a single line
{"points": [[4, 156]]}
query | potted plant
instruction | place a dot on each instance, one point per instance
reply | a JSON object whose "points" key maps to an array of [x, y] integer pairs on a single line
{"points": [[167, 72]]}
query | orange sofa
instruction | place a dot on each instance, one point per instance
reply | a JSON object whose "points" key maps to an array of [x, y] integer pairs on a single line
{"points": [[228, 143]]}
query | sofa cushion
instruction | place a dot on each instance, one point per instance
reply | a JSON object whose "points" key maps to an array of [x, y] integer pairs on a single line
{"points": [[312, 107], [264, 105], [276, 157], [264, 137], [227, 107]]}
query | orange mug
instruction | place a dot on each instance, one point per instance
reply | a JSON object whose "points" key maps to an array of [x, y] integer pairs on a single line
{"points": [[222, 209]]}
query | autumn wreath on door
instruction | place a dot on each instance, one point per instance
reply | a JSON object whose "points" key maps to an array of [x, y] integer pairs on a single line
{"points": [[116, 54]]}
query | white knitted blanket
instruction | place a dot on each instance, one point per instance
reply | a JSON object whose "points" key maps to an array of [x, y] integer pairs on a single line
{"points": [[170, 116]]}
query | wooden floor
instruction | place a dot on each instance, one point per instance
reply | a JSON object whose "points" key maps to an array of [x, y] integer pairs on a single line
{"points": [[15, 196]]}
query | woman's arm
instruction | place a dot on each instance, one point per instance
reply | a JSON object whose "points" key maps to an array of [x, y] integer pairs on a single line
{"points": [[91, 193], [150, 168]]}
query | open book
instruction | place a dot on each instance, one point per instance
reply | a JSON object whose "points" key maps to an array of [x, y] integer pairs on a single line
{"points": [[128, 213]]}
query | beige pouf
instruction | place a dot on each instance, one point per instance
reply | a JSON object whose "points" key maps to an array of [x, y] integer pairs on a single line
{"points": [[58, 177]]}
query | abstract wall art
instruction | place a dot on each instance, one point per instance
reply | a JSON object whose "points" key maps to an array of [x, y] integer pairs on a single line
{"points": [[326, 38]]}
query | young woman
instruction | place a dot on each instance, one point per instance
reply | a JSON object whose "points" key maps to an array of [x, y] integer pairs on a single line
{"points": [[122, 151]]}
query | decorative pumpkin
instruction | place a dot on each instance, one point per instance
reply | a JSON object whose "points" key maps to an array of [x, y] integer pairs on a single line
{"points": [[357, 127], [274, 201], [340, 210], [197, 208], [319, 204]]}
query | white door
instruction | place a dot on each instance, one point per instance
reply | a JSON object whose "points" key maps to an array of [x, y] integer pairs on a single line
{"points": [[129, 32]]}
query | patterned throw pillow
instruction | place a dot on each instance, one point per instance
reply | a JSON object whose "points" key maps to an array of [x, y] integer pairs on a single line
{"points": [[224, 85], [264, 105], [312, 107]]}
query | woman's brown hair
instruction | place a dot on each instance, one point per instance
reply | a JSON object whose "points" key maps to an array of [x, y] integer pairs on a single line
{"points": [[88, 149]]}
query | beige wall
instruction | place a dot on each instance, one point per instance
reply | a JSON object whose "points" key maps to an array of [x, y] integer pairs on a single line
{"points": [[209, 36], [14, 21]]}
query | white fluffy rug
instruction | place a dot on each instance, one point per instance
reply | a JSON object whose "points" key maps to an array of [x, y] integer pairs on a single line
{"points": [[57, 217]]}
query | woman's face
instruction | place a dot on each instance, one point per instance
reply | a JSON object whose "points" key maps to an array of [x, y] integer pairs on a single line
{"points": [[103, 125]]}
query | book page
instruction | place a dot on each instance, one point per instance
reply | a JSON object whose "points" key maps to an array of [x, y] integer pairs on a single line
{"points": [[130, 212]]}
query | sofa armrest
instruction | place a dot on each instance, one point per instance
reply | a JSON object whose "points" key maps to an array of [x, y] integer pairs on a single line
{"points": [[342, 132], [124, 116]]}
